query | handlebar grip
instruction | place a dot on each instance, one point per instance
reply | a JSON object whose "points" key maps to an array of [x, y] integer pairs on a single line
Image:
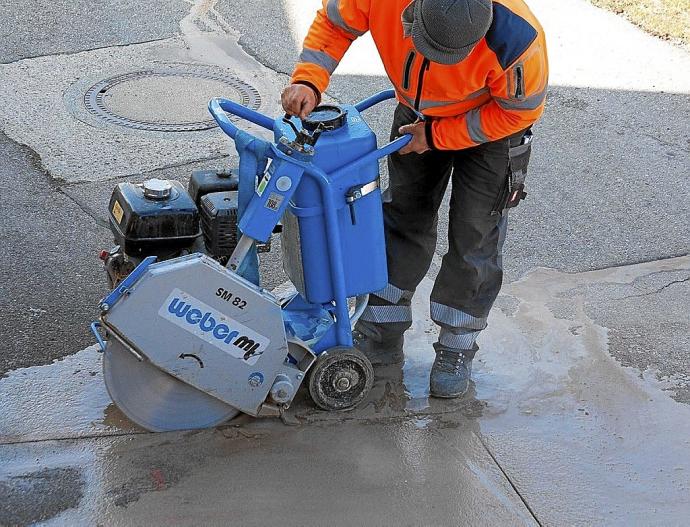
{"points": [[375, 99], [394, 145], [375, 155], [221, 118]]}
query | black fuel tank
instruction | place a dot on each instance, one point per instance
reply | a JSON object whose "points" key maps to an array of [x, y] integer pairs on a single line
{"points": [[154, 216]]}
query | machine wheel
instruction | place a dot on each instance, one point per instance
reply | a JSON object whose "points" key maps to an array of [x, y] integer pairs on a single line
{"points": [[340, 379]]}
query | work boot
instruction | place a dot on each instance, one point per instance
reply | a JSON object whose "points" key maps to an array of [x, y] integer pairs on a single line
{"points": [[450, 374], [378, 344]]}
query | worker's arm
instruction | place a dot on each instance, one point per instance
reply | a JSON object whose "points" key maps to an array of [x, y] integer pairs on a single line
{"points": [[518, 96], [337, 24]]}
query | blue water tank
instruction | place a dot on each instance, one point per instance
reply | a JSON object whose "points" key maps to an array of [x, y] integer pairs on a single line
{"points": [[305, 249]]}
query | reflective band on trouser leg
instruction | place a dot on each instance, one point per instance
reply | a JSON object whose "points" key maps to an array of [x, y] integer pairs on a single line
{"points": [[393, 294], [459, 330], [387, 314], [319, 58], [454, 318], [457, 339]]}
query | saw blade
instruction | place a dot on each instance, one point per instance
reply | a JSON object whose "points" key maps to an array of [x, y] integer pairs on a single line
{"points": [[156, 400]]}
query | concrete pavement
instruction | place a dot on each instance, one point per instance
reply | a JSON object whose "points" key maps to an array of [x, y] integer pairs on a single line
{"points": [[579, 413], [555, 432]]}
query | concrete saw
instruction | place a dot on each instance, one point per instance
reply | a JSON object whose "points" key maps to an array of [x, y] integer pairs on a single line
{"points": [[190, 338]]}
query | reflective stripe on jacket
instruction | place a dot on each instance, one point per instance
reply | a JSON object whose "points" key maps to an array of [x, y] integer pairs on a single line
{"points": [[498, 90]]}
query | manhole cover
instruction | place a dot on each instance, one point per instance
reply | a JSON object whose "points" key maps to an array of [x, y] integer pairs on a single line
{"points": [[165, 100]]}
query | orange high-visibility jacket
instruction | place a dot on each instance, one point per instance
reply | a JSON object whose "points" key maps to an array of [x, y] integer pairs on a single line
{"points": [[498, 90]]}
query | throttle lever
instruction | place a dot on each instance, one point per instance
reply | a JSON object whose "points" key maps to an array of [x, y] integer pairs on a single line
{"points": [[303, 137]]}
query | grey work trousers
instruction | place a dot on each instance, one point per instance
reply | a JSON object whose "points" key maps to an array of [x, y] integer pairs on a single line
{"points": [[471, 272]]}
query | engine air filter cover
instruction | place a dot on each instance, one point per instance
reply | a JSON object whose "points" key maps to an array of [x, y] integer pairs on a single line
{"points": [[204, 182], [219, 222]]}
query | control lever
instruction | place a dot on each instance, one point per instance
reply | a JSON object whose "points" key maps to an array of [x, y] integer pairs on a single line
{"points": [[303, 137]]}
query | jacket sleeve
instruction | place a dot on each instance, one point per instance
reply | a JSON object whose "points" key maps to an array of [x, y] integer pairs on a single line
{"points": [[518, 96], [337, 24]]}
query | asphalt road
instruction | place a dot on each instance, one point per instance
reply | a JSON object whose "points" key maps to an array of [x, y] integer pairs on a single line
{"points": [[31, 28], [50, 277]]}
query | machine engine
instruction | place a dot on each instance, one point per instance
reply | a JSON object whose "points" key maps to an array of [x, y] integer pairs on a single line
{"points": [[161, 218]]}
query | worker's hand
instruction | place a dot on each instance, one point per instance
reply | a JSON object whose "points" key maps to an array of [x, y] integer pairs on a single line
{"points": [[418, 145], [299, 100]]}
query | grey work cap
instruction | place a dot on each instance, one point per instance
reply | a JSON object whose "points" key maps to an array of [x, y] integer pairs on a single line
{"points": [[445, 31]]}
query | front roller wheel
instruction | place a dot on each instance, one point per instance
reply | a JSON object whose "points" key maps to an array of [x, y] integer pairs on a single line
{"points": [[340, 379]]}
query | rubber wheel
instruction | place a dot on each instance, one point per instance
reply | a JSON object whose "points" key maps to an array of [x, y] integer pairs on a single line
{"points": [[340, 379]]}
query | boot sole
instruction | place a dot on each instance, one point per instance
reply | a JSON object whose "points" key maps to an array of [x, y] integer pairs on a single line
{"points": [[448, 396]]}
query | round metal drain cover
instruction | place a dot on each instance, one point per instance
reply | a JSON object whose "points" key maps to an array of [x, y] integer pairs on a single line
{"points": [[166, 100]]}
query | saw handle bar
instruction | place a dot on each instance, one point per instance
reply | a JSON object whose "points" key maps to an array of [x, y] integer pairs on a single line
{"points": [[254, 154], [220, 108]]}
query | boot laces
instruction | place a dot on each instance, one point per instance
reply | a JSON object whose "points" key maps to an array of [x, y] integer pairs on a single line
{"points": [[451, 361]]}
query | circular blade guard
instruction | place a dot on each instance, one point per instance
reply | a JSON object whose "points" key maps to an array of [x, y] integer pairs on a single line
{"points": [[156, 400]]}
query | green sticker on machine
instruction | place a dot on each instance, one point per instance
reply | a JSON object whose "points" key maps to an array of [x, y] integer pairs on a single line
{"points": [[263, 184]]}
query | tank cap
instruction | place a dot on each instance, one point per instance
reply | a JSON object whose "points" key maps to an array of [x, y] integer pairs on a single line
{"points": [[330, 117], [157, 188]]}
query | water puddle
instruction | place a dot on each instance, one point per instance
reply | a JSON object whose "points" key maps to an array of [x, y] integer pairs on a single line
{"points": [[558, 404], [63, 399]]}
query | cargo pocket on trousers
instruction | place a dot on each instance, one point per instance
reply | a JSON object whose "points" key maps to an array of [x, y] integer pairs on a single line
{"points": [[502, 198]]}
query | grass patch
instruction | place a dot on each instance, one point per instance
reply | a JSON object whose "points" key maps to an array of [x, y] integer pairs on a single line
{"points": [[668, 19]]}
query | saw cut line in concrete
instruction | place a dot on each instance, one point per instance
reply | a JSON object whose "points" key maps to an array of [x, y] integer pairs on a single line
{"points": [[144, 99]]}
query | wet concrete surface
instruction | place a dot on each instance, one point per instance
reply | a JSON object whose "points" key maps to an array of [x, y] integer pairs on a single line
{"points": [[553, 429], [358, 474], [38, 496], [587, 440]]}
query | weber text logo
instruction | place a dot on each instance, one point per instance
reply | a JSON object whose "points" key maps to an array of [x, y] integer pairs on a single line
{"points": [[212, 326]]}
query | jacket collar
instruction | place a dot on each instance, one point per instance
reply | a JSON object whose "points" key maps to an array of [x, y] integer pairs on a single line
{"points": [[407, 18]]}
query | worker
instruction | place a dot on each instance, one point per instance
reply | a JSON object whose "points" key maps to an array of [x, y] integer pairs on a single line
{"points": [[471, 79]]}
